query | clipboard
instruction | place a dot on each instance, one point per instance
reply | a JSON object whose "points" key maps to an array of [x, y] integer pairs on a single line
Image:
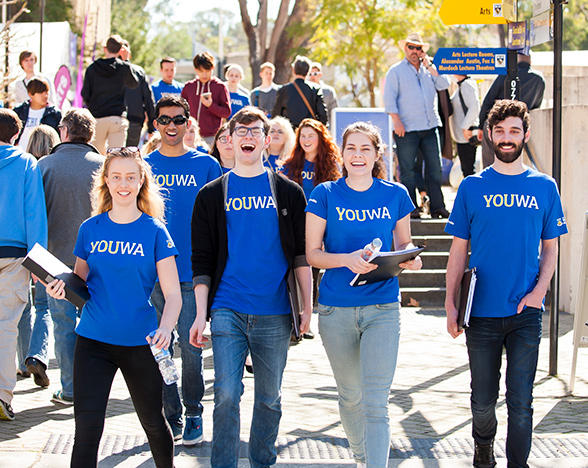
{"points": [[388, 265], [466, 298], [45, 266]]}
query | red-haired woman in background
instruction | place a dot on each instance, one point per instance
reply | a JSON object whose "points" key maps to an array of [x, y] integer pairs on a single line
{"points": [[315, 158]]}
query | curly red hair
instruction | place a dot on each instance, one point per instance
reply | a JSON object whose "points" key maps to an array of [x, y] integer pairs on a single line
{"points": [[328, 159]]}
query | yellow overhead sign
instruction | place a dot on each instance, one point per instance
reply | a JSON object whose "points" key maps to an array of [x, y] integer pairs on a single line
{"points": [[475, 12]]}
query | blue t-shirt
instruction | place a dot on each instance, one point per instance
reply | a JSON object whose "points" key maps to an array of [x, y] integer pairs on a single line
{"points": [[122, 261], [182, 177], [506, 217], [238, 101], [254, 278], [160, 88], [226, 169], [272, 163], [354, 219], [308, 178]]}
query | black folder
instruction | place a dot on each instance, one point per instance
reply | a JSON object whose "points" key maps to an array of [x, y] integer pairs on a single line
{"points": [[466, 298], [388, 265], [45, 266]]}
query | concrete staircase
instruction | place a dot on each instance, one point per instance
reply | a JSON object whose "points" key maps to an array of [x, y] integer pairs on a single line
{"points": [[426, 288]]}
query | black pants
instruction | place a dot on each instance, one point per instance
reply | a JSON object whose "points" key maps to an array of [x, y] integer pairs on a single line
{"points": [[95, 364], [134, 133], [467, 157]]}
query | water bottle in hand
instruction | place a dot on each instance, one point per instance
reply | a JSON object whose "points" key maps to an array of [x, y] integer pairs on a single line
{"points": [[166, 364], [371, 249]]}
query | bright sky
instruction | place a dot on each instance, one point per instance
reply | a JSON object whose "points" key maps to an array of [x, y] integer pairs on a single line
{"points": [[186, 9]]}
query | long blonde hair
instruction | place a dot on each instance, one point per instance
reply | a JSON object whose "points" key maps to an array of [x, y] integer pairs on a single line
{"points": [[149, 200], [289, 135]]}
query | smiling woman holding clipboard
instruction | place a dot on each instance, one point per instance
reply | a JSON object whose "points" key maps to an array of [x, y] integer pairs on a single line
{"points": [[360, 326]]}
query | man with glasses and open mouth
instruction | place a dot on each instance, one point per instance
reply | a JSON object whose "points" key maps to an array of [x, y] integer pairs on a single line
{"points": [[247, 237]]}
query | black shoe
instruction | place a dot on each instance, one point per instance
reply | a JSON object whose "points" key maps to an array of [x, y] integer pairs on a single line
{"points": [[484, 456], [415, 215], [442, 213], [249, 368], [37, 368], [308, 335]]}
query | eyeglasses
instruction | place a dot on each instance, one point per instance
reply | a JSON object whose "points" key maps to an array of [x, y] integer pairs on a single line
{"points": [[256, 132], [166, 119], [314, 73], [117, 149], [413, 47], [223, 139]]}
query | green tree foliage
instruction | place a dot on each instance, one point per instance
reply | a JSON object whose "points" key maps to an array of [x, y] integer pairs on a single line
{"points": [[131, 20], [55, 10], [361, 36]]}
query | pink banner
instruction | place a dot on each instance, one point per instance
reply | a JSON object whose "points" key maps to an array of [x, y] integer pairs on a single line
{"points": [[62, 84]]}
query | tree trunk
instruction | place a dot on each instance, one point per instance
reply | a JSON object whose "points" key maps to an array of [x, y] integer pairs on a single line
{"points": [[282, 39]]}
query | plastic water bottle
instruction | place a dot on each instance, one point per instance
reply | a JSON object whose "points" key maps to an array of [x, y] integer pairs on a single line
{"points": [[371, 249], [166, 364]]}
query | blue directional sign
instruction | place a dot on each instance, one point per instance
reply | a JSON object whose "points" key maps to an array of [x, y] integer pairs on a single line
{"points": [[470, 61]]}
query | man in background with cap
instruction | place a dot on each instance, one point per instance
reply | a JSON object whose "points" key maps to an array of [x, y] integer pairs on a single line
{"points": [[410, 97]]}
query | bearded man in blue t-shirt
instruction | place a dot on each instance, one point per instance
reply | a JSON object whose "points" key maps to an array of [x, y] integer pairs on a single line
{"points": [[513, 216], [247, 236]]}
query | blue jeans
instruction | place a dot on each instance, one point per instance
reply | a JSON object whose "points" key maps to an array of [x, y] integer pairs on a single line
{"points": [[64, 315], [407, 148], [33, 337], [485, 338], [267, 338], [362, 347], [192, 370]]}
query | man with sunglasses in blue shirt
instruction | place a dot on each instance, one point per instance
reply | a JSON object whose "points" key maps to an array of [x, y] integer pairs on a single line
{"points": [[247, 237], [182, 172], [410, 97]]}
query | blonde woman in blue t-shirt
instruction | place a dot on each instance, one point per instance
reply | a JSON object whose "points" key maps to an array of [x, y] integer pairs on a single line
{"points": [[120, 252], [360, 326]]}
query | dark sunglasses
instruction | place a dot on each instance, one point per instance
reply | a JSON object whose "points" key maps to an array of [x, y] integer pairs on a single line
{"points": [[414, 47], [166, 119]]}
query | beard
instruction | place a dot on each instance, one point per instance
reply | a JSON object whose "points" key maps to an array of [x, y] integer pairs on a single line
{"points": [[510, 156]]}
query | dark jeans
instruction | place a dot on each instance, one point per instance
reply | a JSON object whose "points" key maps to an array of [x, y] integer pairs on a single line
{"points": [[95, 364], [407, 148], [192, 369], [467, 157], [520, 336], [134, 133]]}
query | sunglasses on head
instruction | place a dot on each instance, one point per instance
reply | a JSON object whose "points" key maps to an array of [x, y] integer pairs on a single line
{"points": [[132, 149], [414, 47], [166, 119], [124, 149]]}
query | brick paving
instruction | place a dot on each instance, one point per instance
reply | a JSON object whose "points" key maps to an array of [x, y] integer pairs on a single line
{"points": [[429, 400]]}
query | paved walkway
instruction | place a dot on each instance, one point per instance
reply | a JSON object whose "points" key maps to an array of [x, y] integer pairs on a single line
{"points": [[429, 411]]}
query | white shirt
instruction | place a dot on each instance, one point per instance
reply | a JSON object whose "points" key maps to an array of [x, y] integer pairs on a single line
{"points": [[33, 120]]}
